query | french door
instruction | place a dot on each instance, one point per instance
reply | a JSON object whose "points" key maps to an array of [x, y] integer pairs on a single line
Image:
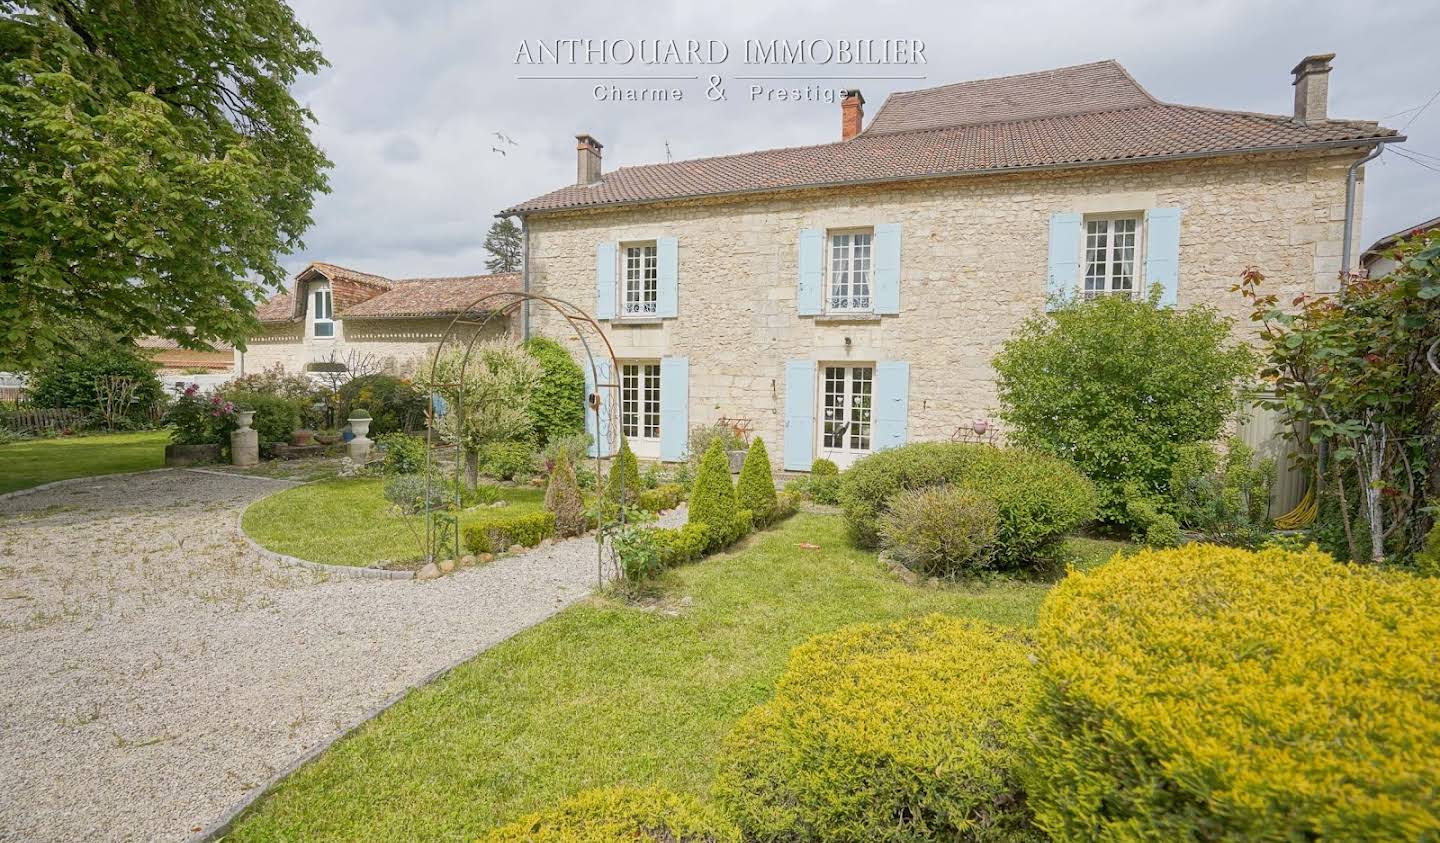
{"points": [[845, 413]]}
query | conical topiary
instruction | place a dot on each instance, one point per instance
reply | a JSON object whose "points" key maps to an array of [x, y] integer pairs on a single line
{"points": [[563, 498], [756, 490], [712, 500], [627, 469]]}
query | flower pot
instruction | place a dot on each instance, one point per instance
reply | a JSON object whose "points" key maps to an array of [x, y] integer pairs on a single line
{"points": [[302, 437], [360, 427], [243, 419], [176, 455]]}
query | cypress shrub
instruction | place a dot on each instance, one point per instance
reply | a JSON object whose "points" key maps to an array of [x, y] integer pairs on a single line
{"points": [[712, 500], [634, 815], [888, 733], [756, 489], [1214, 693], [623, 485], [563, 499]]}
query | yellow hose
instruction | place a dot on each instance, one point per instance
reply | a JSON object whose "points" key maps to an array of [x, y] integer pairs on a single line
{"points": [[1303, 515]]}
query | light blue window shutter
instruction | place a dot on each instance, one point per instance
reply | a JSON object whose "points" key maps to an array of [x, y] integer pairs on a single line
{"points": [[1063, 279], [605, 279], [799, 414], [892, 404], [1162, 253], [667, 302], [887, 268], [601, 443], [674, 407], [807, 289]]}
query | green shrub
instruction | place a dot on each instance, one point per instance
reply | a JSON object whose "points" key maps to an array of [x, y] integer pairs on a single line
{"points": [[1151, 525], [575, 446], [1225, 499], [824, 468], [755, 489], [941, 531], [1039, 498], [639, 554], [508, 460], [557, 404], [886, 733], [702, 436], [395, 405], [661, 498], [786, 505], [276, 381], [496, 532], [1214, 693], [681, 545], [1427, 560], [564, 501], [276, 416], [822, 485], [620, 815], [623, 485], [1116, 386], [69, 381], [712, 501], [404, 453]]}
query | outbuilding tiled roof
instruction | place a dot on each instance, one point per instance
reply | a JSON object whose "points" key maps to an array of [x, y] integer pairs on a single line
{"points": [[370, 296], [1085, 115]]}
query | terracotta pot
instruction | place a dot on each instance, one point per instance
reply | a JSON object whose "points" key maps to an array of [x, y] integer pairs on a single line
{"points": [[302, 437]]}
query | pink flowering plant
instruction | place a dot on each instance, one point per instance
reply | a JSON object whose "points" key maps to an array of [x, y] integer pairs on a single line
{"points": [[196, 419]]}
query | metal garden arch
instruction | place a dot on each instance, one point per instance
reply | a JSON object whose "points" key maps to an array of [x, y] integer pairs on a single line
{"points": [[477, 315]]}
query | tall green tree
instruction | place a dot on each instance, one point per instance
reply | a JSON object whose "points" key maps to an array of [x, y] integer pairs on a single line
{"points": [[153, 167], [503, 244]]}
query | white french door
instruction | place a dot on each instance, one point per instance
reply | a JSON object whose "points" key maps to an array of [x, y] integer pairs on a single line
{"points": [[845, 412]]}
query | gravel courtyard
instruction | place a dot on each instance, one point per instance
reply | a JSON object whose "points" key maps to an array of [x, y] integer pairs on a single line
{"points": [[154, 669]]}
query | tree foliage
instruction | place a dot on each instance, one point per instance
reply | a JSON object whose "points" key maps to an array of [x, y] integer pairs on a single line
{"points": [[557, 406], [1117, 386], [73, 380], [497, 382], [153, 166], [503, 244]]}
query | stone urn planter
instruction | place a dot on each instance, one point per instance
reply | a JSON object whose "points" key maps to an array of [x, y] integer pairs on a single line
{"points": [[358, 448], [177, 455], [244, 440]]}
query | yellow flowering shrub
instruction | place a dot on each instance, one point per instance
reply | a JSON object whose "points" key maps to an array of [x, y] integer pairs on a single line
{"points": [[1213, 693], [616, 814], [902, 732]]}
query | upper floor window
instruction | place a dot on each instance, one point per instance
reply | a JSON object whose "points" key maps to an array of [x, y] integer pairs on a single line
{"points": [[322, 312], [642, 280], [848, 281], [1111, 255]]}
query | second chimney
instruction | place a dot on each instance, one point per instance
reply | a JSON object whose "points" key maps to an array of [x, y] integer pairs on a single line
{"points": [[852, 113], [1312, 88], [587, 160]]}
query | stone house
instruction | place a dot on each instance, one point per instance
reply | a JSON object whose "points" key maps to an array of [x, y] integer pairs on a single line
{"points": [[335, 317], [849, 296]]}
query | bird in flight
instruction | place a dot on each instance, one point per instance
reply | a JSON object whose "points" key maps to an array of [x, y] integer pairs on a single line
{"points": [[494, 149], [506, 138]]}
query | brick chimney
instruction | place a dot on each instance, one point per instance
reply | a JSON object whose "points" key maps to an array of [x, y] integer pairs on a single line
{"points": [[852, 113], [1312, 88], [587, 160]]}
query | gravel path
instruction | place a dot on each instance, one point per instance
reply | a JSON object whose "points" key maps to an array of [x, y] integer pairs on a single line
{"points": [[154, 669]]}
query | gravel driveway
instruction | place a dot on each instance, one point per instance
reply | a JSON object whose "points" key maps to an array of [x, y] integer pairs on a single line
{"points": [[154, 669]]}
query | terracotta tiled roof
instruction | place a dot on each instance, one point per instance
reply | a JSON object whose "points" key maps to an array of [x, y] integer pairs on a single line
{"points": [[167, 344], [365, 295], [1024, 122], [1379, 246]]}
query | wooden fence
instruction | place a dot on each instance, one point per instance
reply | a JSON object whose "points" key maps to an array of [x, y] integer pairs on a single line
{"points": [[40, 421]]}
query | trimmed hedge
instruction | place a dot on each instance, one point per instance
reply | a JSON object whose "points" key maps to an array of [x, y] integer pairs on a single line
{"points": [[624, 479], [899, 733], [941, 531], [1212, 693], [495, 533], [622, 815], [712, 500], [664, 497], [1039, 498], [755, 490], [681, 545]]}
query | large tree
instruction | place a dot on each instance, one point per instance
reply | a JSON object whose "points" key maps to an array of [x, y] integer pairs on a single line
{"points": [[153, 168], [503, 244]]}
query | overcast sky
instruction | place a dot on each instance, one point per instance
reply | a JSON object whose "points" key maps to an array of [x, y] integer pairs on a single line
{"points": [[417, 90]]}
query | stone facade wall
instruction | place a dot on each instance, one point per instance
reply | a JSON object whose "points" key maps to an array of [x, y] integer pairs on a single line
{"points": [[974, 256], [398, 346]]}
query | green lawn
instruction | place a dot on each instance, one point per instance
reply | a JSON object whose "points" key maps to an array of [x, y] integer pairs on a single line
{"points": [[26, 464], [609, 693], [348, 522]]}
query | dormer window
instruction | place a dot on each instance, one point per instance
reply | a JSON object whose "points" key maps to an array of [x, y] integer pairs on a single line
{"points": [[322, 312]]}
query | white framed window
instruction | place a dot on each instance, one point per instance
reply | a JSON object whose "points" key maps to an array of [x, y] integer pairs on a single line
{"points": [[640, 401], [845, 412], [322, 312], [640, 264], [848, 279], [1111, 255]]}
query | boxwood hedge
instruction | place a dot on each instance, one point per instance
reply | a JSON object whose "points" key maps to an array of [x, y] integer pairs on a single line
{"points": [[1039, 498], [905, 732], [628, 814], [1211, 693]]}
